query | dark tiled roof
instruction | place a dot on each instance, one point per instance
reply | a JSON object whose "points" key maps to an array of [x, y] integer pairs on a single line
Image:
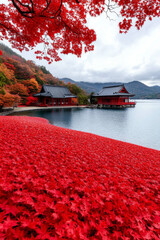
{"points": [[45, 94], [112, 91], [54, 92]]}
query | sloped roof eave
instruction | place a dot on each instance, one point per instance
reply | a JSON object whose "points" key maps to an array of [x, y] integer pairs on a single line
{"points": [[115, 95], [55, 92], [72, 96], [114, 90], [48, 95], [42, 95]]}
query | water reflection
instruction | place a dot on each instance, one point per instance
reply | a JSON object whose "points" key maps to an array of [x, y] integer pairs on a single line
{"points": [[139, 125], [61, 117]]}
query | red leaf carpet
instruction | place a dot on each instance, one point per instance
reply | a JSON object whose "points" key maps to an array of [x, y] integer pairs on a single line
{"points": [[58, 183]]}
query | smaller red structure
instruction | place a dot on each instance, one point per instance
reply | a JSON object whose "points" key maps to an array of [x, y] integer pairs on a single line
{"points": [[55, 96], [114, 97]]}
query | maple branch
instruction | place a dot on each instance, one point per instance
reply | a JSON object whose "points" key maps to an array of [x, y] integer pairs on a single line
{"points": [[32, 5], [9, 29], [23, 13], [110, 8], [22, 4], [58, 12], [47, 5], [29, 13]]}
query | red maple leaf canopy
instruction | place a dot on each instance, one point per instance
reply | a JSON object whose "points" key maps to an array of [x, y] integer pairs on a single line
{"points": [[137, 11], [61, 25]]}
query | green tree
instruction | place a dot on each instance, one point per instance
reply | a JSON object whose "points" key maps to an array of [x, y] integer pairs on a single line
{"points": [[2, 91], [82, 99], [75, 89], [39, 80], [3, 80], [93, 100], [44, 70]]}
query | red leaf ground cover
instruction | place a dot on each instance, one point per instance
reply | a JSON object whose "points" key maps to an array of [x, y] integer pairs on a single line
{"points": [[58, 183]]}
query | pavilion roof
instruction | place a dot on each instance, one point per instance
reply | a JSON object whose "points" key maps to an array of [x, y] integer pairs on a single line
{"points": [[54, 92], [113, 91]]}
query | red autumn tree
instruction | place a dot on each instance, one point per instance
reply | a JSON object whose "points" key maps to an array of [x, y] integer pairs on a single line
{"points": [[61, 24], [31, 101], [9, 66]]}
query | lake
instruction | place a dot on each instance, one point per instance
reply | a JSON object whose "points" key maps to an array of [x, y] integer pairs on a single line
{"points": [[139, 125]]}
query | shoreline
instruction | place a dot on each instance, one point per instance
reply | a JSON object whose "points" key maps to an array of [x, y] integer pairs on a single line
{"points": [[25, 109], [82, 110]]}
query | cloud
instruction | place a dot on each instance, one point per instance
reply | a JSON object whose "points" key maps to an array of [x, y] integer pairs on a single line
{"points": [[116, 57]]}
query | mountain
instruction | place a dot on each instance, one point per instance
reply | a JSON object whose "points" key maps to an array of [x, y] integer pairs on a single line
{"points": [[142, 91], [139, 89], [88, 86]]}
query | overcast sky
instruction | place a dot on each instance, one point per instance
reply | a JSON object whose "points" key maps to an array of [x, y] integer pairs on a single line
{"points": [[116, 58]]}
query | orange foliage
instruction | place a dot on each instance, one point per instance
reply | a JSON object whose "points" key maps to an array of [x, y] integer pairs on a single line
{"points": [[8, 72], [32, 85], [9, 100], [19, 89], [74, 100]]}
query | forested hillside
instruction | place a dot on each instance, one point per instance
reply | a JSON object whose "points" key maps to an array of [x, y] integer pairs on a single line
{"points": [[20, 79]]}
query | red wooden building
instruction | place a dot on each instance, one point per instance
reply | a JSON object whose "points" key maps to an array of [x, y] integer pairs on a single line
{"points": [[114, 97], [55, 96]]}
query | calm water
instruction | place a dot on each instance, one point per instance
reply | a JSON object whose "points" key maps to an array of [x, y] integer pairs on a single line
{"points": [[139, 125]]}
